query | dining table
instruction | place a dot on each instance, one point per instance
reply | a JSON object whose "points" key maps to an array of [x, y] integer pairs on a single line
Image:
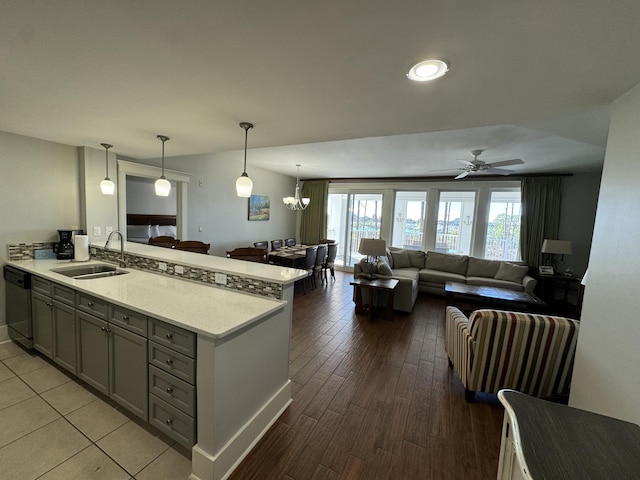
{"points": [[289, 256]]}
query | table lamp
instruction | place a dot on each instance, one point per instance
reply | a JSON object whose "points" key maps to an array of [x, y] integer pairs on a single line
{"points": [[555, 248], [373, 248]]}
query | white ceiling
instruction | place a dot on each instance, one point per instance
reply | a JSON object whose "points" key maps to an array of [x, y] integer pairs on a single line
{"points": [[323, 81]]}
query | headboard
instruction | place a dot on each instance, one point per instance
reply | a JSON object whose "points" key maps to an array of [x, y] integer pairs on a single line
{"points": [[145, 219]]}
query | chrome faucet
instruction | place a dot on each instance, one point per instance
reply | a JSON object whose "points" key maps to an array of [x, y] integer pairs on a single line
{"points": [[121, 262]]}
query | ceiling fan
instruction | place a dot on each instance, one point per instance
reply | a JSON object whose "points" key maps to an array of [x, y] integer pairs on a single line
{"points": [[474, 166]]}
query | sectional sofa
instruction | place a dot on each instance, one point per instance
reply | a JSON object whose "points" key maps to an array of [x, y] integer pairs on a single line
{"points": [[427, 272]]}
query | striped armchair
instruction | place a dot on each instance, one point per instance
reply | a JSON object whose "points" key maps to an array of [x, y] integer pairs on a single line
{"points": [[495, 349]]}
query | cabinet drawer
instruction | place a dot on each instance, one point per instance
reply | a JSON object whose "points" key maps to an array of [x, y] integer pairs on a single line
{"points": [[41, 285], [178, 425], [175, 338], [64, 294], [175, 363], [128, 319], [92, 305], [172, 390]]}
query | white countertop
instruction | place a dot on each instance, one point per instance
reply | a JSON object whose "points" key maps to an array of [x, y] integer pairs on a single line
{"points": [[207, 310], [262, 271]]}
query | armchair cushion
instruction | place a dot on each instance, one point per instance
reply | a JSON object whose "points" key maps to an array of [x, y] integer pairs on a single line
{"points": [[496, 349]]}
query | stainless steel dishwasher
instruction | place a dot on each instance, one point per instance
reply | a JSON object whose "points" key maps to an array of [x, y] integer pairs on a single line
{"points": [[18, 305]]}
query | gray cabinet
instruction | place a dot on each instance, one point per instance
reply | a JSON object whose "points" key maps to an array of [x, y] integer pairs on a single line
{"points": [[42, 323], [113, 360], [172, 379], [54, 323]]}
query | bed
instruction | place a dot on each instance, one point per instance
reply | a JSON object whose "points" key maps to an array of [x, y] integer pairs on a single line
{"points": [[142, 227]]}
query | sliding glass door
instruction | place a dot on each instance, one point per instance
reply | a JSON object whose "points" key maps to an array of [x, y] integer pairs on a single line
{"points": [[351, 217]]}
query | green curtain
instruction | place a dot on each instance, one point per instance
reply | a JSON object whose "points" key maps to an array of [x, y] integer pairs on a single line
{"points": [[313, 224], [541, 198]]}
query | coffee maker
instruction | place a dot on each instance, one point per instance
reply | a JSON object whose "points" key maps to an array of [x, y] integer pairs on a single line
{"points": [[64, 248]]}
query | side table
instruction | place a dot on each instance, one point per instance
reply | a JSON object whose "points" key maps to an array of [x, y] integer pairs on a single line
{"points": [[374, 286]]}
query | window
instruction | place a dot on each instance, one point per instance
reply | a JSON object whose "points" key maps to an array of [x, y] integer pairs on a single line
{"points": [[351, 217], [408, 220], [503, 229], [455, 221]]}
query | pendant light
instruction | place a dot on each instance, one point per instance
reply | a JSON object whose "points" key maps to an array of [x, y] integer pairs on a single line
{"points": [[107, 186], [163, 187], [244, 185], [295, 202]]}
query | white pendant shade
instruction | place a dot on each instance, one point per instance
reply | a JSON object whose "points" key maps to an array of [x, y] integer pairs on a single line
{"points": [[244, 185], [163, 187], [107, 187]]}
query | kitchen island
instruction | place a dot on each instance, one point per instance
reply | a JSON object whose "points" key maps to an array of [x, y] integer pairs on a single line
{"points": [[241, 352]]}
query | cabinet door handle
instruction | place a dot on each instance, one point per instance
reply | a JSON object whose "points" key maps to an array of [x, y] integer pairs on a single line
{"points": [[125, 318], [169, 389], [89, 304], [169, 361], [49, 304], [104, 329], [169, 336], [169, 421]]}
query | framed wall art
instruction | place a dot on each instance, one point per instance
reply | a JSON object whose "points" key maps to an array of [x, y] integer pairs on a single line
{"points": [[258, 207]]}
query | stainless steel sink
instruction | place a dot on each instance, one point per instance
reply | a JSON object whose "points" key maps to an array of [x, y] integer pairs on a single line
{"points": [[87, 272]]}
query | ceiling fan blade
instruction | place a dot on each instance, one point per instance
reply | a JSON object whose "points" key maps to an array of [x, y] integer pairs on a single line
{"points": [[505, 163], [462, 175], [498, 171], [467, 163]]}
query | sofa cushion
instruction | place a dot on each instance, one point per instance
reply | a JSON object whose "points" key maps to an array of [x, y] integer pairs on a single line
{"points": [[410, 273], [479, 267], [511, 272], [440, 277], [400, 258], [446, 262], [383, 268], [416, 257]]}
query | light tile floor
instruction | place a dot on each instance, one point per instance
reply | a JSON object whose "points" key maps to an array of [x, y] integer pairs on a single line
{"points": [[53, 428]]}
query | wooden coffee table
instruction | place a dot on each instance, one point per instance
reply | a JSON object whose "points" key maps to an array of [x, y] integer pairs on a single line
{"points": [[470, 297], [375, 286]]}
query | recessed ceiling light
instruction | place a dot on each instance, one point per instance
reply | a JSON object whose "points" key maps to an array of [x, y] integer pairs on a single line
{"points": [[428, 70]]}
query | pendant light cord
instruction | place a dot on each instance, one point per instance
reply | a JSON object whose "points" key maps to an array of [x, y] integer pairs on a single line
{"points": [[163, 138], [246, 126], [106, 156]]}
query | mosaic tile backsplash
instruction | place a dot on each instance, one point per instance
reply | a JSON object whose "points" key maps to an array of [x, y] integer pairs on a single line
{"points": [[25, 251]]}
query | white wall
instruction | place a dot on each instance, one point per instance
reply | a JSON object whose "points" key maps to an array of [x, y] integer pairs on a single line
{"points": [[606, 378], [213, 206], [142, 198], [39, 193]]}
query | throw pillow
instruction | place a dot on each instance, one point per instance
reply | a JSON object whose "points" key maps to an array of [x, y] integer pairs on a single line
{"points": [[511, 272], [138, 231], [367, 267], [383, 268], [400, 259]]}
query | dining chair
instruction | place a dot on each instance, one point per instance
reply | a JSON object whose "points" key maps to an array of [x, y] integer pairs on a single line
{"points": [[163, 241], [276, 244], [250, 254], [309, 265], [264, 244], [193, 246], [329, 263], [290, 242], [320, 259]]}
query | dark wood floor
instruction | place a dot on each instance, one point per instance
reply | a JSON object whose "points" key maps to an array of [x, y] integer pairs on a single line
{"points": [[374, 400]]}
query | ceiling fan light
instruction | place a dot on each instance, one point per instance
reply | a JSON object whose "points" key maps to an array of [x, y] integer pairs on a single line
{"points": [[244, 185], [428, 70], [107, 187], [163, 187]]}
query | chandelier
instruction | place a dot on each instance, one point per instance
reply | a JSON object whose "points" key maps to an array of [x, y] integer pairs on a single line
{"points": [[295, 202]]}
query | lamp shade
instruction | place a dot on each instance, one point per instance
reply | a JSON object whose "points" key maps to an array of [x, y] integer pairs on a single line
{"points": [[163, 187], [372, 247], [244, 185], [107, 187], [558, 247]]}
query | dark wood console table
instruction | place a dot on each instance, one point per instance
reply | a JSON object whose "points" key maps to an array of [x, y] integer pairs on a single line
{"points": [[543, 440], [374, 286]]}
